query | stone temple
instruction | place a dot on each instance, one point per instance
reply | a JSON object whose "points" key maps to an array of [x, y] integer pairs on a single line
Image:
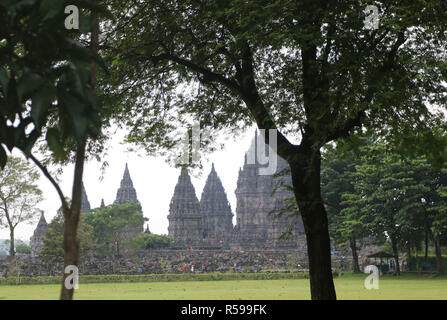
{"points": [[208, 223], [258, 195], [38, 235]]}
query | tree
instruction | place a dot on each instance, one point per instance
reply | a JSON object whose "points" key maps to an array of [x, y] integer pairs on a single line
{"points": [[150, 241], [390, 195], [53, 250], [113, 225], [19, 197], [22, 248], [346, 224], [438, 229], [305, 69], [47, 80]]}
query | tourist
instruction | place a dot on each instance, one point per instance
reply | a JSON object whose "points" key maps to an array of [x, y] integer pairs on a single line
{"points": [[185, 267], [252, 268], [221, 268], [192, 268], [239, 268], [203, 268]]}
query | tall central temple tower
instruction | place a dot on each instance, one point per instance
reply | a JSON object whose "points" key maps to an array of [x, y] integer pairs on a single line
{"points": [[216, 212], [257, 195], [185, 220]]}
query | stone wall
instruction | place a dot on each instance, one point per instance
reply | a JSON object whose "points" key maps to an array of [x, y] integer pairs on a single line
{"points": [[166, 261], [169, 261]]}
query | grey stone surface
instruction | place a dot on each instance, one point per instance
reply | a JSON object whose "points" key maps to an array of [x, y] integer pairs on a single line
{"points": [[126, 192], [257, 195], [185, 219], [216, 212], [85, 204], [36, 240]]}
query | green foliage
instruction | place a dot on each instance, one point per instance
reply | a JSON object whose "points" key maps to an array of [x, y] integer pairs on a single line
{"points": [[306, 67], [23, 248], [44, 78], [151, 241], [337, 178], [53, 248], [19, 194], [113, 226]]}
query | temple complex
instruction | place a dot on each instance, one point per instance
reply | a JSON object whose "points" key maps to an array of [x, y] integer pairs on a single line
{"points": [[208, 223]]}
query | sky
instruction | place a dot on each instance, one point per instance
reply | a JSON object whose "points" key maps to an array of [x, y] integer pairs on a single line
{"points": [[153, 179]]}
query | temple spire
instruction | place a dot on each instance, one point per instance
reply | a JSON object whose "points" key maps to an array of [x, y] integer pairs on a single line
{"points": [[85, 204], [42, 221], [126, 192], [216, 211], [184, 212]]}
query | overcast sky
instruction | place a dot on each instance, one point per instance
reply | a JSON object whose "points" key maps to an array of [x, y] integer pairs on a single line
{"points": [[154, 181]]}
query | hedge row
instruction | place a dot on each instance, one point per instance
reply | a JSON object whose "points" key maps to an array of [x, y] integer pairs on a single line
{"points": [[155, 278]]}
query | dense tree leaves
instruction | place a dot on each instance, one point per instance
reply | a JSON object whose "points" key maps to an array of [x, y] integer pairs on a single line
{"points": [[346, 223], [19, 198], [395, 198], [112, 226], [44, 78], [53, 250], [150, 241]]}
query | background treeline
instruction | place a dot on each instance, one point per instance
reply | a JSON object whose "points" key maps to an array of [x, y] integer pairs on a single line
{"points": [[378, 194], [110, 231]]}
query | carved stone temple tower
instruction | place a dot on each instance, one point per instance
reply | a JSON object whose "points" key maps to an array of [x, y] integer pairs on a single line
{"points": [[38, 235], [126, 192], [254, 227], [216, 212], [185, 220], [85, 204]]}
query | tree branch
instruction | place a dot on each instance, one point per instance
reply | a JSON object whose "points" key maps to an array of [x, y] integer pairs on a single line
{"points": [[51, 179]]}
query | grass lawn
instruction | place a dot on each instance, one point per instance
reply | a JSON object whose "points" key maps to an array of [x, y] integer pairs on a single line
{"points": [[349, 286]]}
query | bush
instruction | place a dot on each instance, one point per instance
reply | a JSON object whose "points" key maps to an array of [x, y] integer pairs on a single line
{"points": [[156, 278]]}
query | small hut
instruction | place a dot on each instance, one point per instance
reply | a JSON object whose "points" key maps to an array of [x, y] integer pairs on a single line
{"points": [[382, 265]]}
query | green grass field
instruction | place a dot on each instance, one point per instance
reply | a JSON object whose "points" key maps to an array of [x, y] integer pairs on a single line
{"points": [[349, 286]]}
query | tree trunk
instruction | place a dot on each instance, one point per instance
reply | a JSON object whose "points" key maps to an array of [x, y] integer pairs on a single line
{"points": [[426, 246], [396, 256], [308, 195], [12, 252], [355, 257], [439, 262], [71, 215], [408, 262], [71, 221]]}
